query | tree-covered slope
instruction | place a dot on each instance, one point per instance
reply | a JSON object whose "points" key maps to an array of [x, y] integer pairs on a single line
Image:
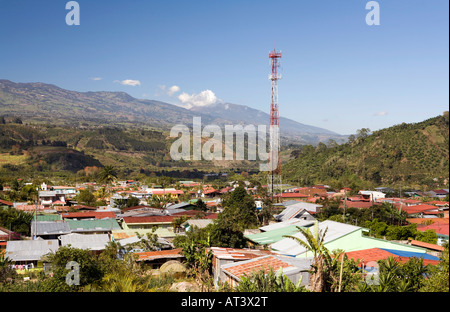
{"points": [[405, 153]]}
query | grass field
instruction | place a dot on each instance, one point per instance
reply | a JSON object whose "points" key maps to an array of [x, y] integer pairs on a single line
{"points": [[6, 158]]}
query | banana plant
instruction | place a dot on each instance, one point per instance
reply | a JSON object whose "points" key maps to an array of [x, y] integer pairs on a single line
{"points": [[324, 263]]}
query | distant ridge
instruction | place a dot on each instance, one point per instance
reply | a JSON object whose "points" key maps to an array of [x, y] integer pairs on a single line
{"points": [[49, 103]]}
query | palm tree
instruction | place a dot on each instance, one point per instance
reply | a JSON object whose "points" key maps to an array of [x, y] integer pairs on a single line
{"points": [[124, 282], [102, 193], [6, 270], [324, 263], [108, 174], [177, 222]]}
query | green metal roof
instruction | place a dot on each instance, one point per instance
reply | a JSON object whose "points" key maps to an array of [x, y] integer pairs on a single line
{"points": [[48, 217], [91, 225], [273, 236]]}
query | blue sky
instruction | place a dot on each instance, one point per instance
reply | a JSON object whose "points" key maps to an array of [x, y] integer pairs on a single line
{"points": [[338, 72]]}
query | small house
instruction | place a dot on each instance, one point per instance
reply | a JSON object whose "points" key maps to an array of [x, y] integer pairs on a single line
{"points": [[30, 252]]}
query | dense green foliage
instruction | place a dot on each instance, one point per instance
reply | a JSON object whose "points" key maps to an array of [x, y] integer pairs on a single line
{"points": [[261, 281], [239, 213], [438, 279], [394, 276], [16, 220]]}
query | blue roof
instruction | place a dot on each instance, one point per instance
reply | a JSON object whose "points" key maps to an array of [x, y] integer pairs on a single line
{"points": [[410, 254]]}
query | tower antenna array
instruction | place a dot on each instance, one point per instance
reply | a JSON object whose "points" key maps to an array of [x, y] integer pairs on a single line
{"points": [[275, 162]]}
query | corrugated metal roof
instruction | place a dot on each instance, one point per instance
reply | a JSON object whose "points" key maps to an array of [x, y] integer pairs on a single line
{"points": [[410, 254], [50, 227], [292, 210], [85, 241], [152, 255], [47, 193], [375, 254], [30, 250], [93, 225], [237, 253], [179, 205], [279, 225], [336, 230], [238, 269], [149, 219], [48, 217], [200, 223], [135, 239], [270, 237], [160, 231]]}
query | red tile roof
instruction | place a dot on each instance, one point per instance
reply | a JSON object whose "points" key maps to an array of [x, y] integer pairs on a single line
{"points": [[166, 192], [84, 207], [211, 216], [149, 219], [191, 213], [293, 195], [375, 254], [61, 208], [58, 202], [427, 245], [439, 228], [5, 202], [261, 263], [152, 255], [26, 207], [417, 208], [238, 253], [89, 214], [357, 204], [411, 201], [437, 203], [441, 192], [211, 191]]}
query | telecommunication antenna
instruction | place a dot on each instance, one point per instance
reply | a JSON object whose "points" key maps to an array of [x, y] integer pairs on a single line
{"points": [[274, 158]]}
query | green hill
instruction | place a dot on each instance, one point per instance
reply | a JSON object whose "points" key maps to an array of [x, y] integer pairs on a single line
{"points": [[413, 154], [30, 150]]}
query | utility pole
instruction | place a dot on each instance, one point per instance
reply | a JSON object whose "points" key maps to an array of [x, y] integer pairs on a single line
{"points": [[340, 274], [35, 213], [345, 204]]}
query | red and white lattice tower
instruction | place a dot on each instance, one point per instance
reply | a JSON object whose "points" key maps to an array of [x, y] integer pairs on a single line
{"points": [[274, 160]]}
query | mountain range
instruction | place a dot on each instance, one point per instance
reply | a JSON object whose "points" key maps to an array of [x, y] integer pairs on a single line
{"points": [[41, 102], [48, 131]]}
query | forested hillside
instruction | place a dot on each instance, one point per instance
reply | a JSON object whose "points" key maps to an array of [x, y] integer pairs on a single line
{"points": [[31, 150], [413, 153]]}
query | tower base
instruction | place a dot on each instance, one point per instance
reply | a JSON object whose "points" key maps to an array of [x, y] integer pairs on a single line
{"points": [[274, 187]]}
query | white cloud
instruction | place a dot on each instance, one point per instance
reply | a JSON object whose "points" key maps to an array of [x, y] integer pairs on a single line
{"points": [[382, 113], [204, 98], [96, 78], [172, 90], [129, 82]]}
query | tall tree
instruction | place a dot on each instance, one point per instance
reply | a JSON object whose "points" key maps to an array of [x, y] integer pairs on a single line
{"points": [[323, 267], [108, 174], [240, 206]]}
